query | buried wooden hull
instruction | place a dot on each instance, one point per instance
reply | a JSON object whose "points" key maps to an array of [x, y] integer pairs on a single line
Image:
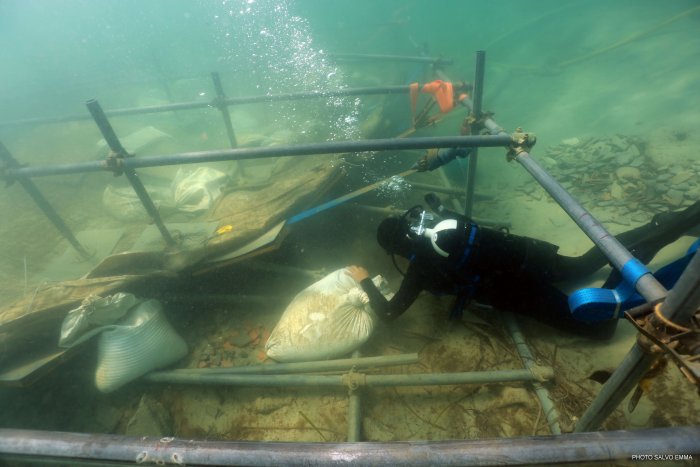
{"points": [[245, 220]]}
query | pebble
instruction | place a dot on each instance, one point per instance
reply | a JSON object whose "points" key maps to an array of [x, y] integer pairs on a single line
{"points": [[571, 141], [628, 173], [681, 177], [673, 197], [616, 191]]}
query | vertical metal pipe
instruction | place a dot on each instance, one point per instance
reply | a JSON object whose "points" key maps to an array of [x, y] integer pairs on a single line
{"points": [[223, 107], [478, 86], [354, 411], [680, 305], [116, 146], [42, 203], [477, 94], [550, 412]]}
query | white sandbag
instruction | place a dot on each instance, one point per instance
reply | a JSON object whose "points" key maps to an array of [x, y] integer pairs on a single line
{"points": [[91, 317], [124, 204], [143, 341], [328, 319], [196, 190], [139, 140]]}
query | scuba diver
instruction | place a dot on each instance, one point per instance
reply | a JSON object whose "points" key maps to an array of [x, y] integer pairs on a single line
{"points": [[514, 273]]}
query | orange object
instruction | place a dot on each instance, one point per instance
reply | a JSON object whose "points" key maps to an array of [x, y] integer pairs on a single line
{"points": [[262, 355], [442, 92], [254, 333]]}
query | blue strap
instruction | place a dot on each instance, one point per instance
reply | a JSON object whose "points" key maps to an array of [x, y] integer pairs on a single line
{"points": [[595, 304], [633, 270], [468, 249]]}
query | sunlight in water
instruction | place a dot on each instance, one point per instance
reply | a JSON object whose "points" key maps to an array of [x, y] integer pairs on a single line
{"points": [[276, 49]]}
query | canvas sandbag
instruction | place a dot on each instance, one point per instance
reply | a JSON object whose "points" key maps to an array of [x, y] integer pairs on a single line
{"points": [[141, 342], [93, 316], [328, 319]]}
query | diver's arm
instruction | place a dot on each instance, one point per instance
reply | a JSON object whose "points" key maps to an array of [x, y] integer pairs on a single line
{"points": [[404, 297], [436, 205], [435, 158]]}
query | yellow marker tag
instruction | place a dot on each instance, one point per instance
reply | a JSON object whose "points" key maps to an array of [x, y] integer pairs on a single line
{"points": [[224, 229]]}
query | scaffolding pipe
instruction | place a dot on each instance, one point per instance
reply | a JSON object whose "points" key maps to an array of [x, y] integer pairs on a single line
{"points": [[42, 202], [680, 305], [352, 379], [389, 58], [120, 153], [669, 444], [354, 410], [641, 278], [343, 364], [446, 190], [317, 94], [550, 412], [387, 144], [477, 94], [220, 100]]}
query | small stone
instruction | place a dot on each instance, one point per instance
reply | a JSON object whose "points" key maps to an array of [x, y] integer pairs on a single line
{"points": [[627, 156], [616, 191], [549, 161], [673, 197], [681, 177], [571, 141], [628, 173], [150, 419]]}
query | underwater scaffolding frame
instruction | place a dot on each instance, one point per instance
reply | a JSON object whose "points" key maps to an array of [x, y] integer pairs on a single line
{"points": [[677, 305]]}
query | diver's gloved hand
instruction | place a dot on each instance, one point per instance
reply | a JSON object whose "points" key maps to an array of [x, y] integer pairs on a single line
{"points": [[429, 161], [434, 202], [435, 158]]}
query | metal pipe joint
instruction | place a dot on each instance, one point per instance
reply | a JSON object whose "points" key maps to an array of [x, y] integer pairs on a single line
{"points": [[522, 142]]}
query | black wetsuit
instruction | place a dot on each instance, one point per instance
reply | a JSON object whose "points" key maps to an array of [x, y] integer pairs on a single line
{"points": [[517, 274]]}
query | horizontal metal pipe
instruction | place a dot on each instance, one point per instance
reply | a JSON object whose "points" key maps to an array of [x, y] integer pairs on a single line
{"points": [[470, 377], [355, 379], [302, 367], [531, 450], [364, 91], [389, 58], [218, 155], [447, 190]]}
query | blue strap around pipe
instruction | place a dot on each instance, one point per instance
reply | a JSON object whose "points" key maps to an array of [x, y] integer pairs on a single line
{"points": [[633, 270], [595, 304]]}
